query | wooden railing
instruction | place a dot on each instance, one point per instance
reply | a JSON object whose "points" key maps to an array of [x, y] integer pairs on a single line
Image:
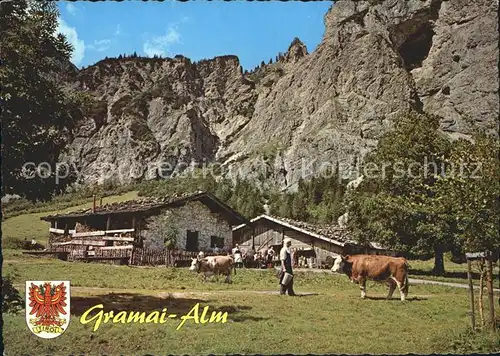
{"points": [[162, 257], [73, 233], [136, 256]]}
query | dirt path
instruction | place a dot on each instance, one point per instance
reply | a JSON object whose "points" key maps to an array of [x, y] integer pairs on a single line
{"points": [[446, 284], [161, 294], [411, 280], [166, 295]]}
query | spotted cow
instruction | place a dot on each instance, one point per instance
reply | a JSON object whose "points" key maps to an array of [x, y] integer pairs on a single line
{"points": [[214, 265], [359, 268]]}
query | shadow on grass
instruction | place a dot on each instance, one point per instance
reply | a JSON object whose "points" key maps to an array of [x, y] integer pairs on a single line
{"points": [[306, 294], [133, 302], [233, 310], [393, 299]]}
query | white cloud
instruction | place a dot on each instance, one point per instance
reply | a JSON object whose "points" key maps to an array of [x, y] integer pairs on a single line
{"points": [[160, 45], [118, 30], [72, 9], [100, 45], [72, 37]]}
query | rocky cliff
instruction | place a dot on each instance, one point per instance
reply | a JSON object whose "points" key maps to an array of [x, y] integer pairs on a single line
{"points": [[305, 112]]}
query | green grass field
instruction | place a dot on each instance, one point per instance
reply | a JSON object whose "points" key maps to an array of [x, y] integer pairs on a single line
{"points": [[29, 225], [334, 320]]}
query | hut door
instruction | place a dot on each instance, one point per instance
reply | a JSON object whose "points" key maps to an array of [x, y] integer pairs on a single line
{"points": [[192, 240]]}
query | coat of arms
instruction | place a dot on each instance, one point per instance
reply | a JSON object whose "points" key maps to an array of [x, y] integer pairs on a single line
{"points": [[47, 307]]}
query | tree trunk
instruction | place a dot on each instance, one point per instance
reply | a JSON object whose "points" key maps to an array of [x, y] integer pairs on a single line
{"points": [[438, 269], [480, 301]]}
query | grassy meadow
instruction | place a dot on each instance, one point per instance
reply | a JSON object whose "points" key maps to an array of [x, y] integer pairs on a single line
{"points": [[29, 225], [332, 318]]}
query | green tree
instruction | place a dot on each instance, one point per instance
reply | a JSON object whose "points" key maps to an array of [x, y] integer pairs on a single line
{"points": [[470, 191], [37, 113], [397, 204]]}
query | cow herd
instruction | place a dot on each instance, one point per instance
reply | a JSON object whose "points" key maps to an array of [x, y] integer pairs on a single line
{"points": [[359, 268]]}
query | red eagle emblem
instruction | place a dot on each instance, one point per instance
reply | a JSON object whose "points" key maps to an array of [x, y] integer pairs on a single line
{"points": [[47, 302]]}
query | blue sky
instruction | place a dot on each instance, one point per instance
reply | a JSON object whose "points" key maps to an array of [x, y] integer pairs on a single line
{"points": [[253, 31]]}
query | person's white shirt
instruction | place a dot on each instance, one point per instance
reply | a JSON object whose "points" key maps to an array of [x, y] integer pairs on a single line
{"points": [[283, 253], [237, 257]]}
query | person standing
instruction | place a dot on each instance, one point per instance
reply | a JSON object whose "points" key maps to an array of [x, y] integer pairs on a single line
{"points": [[238, 260], [270, 257], [286, 266]]}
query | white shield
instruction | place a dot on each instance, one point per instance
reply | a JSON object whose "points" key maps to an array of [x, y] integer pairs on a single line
{"points": [[47, 307]]}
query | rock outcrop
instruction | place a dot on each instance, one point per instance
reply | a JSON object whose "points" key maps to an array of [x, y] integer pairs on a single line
{"points": [[302, 114]]}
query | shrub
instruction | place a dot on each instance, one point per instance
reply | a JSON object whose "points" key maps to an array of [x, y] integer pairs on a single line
{"points": [[12, 302], [476, 342], [13, 243]]}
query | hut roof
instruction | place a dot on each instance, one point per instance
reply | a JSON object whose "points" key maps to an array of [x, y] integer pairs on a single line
{"points": [[153, 204], [326, 232], [330, 233]]}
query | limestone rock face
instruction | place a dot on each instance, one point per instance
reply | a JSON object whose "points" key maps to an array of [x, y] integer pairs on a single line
{"points": [[303, 114]]}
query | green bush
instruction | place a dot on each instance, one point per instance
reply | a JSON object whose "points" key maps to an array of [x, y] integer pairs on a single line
{"points": [[12, 302], [470, 342], [12, 243]]}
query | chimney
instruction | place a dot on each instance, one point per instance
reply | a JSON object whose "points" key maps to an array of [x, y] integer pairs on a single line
{"points": [[93, 205], [100, 202]]}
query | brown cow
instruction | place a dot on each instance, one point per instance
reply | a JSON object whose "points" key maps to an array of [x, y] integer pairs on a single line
{"points": [[359, 268], [214, 265]]}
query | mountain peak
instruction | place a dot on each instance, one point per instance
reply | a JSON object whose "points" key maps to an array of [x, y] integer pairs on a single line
{"points": [[296, 51]]}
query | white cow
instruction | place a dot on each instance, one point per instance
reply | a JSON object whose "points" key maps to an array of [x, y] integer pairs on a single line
{"points": [[214, 265]]}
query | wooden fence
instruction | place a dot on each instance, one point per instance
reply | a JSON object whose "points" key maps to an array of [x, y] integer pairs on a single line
{"points": [[163, 257], [136, 256]]}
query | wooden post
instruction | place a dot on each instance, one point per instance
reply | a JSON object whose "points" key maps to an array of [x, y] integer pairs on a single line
{"points": [[133, 225], [489, 286], [471, 296], [282, 235], [100, 201], [108, 223]]}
